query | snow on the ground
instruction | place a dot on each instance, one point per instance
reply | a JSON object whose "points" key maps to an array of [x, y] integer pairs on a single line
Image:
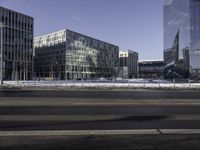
{"points": [[132, 83]]}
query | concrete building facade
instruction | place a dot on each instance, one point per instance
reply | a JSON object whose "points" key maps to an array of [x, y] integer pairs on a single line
{"points": [[70, 55], [16, 40], [128, 61]]}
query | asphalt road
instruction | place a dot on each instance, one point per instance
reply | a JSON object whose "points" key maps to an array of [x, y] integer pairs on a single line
{"points": [[103, 94], [79, 110], [135, 117], [93, 116], [125, 142]]}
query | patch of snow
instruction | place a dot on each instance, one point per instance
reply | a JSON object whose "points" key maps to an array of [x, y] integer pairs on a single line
{"points": [[131, 83]]}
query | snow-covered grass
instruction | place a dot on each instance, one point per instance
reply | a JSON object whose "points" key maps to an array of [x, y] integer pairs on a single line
{"points": [[132, 83]]}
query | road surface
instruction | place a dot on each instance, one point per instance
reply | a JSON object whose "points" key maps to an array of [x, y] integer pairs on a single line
{"points": [[27, 115]]}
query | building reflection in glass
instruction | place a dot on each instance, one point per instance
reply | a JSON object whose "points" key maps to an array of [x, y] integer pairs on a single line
{"points": [[69, 55], [182, 38]]}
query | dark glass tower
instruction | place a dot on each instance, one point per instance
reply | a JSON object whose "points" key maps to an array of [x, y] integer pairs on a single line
{"points": [[182, 38]]}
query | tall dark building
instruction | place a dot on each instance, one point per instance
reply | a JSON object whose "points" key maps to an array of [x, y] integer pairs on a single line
{"points": [[182, 38], [66, 54], [16, 34]]}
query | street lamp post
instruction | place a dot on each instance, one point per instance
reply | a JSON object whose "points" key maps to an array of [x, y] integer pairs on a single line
{"points": [[52, 69], [113, 73], [52, 76], [1, 54]]}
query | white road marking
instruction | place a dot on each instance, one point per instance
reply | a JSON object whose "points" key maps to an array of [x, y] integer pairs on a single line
{"points": [[77, 132], [180, 131], [98, 132], [139, 104]]}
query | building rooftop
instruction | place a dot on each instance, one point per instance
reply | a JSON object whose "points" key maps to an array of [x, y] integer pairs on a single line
{"points": [[63, 30], [8, 9], [130, 51], [156, 60]]}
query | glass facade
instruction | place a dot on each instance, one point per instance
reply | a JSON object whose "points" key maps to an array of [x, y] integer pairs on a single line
{"points": [[182, 38], [151, 69], [16, 32], [69, 55], [195, 37]]}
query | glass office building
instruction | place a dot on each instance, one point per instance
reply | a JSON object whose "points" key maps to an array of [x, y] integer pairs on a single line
{"points": [[16, 40], [151, 68], [182, 38], [70, 55]]}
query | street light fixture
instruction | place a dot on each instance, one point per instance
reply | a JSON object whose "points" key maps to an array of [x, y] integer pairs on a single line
{"points": [[1, 54]]}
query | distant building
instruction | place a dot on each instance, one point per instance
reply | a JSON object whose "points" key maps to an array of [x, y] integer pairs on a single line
{"points": [[16, 40], [128, 61], [66, 54], [151, 69], [182, 38]]}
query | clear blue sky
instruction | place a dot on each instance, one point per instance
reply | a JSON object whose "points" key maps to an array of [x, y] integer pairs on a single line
{"points": [[130, 24]]}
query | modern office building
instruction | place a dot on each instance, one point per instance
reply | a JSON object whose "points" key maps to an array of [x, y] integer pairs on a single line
{"points": [[66, 55], [128, 61], [16, 40], [151, 68], [182, 38]]}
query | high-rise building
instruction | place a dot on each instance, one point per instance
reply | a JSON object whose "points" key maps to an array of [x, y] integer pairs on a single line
{"points": [[16, 50], [66, 54], [128, 61], [182, 38]]}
